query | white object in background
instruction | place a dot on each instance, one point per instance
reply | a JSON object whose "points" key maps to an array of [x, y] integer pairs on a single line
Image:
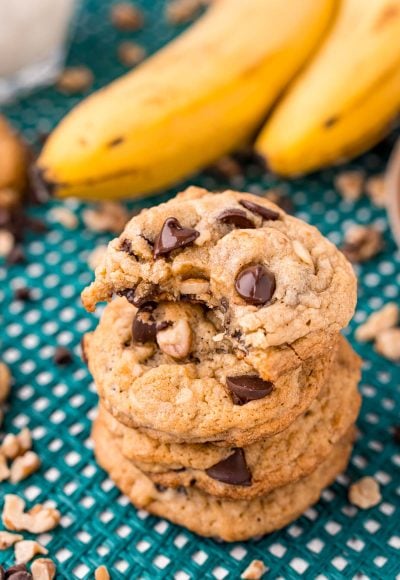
{"points": [[33, 36]]}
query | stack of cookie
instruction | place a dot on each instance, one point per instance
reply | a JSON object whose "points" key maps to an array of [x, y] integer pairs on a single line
{"points": [[227, 395]]}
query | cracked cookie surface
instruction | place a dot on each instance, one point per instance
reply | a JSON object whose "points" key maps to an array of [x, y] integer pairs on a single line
{"points": [[230, 520], [270, 279], [186, 396], [272, 462]]}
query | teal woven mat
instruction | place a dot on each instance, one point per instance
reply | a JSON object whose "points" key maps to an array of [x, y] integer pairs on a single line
{"points": [[333, 539]]}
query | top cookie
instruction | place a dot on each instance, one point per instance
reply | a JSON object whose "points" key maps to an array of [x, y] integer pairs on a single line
{"points": [[269, 278]]}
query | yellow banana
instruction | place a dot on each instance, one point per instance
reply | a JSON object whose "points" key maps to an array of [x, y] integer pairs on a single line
{"points": [[345, 99], [195, 100]]}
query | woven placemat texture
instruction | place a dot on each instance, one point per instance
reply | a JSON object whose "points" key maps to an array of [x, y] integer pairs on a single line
{"points": [[99, 526]]}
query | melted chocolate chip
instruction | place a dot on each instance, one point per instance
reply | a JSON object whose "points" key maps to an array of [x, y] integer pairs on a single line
{"points": [[144, 328], [62, 356], [255, 284], [232, 470], [246, 388], [173, 236], [236, 217], [264, 212], [126, 246]]}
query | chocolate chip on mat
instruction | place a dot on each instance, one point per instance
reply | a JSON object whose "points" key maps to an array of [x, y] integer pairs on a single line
{"points": [[173, 236], [255, 284], [233, 470], [62, 356], [15, 572], [246, 388], [396, 434], [23, 294], [236, 217], [264, 212]]}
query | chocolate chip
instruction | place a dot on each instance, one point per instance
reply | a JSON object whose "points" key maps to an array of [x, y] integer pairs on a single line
{"points": [[255, 284], [23, 575], [16, 256], [23, 294], [126, 246], [173, 236], [2, 573], [396, 434], [129, 294], [236, 217], [144, 328], [18, 568], [160, 488], [245, 388], [232, 470], [62, 356], [264, 212]]}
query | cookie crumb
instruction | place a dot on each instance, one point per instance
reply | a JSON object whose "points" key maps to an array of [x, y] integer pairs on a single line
{"points": [[23, 466], [365, 493], [350, 184], [6, 243], [254, 570], [126, 17], [96, 257], [65, 217], [375, 188], [181, 11], [25, 550], [106, 217], [43, 569], [37, 520], [75, 79], [131, 53], [5, 382], [387, 344], [7, 539], [101, 573], [386, 317], [362, 243]]}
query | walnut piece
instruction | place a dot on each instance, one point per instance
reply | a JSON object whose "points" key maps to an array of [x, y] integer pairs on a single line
{"points": [[375, 188], [194, 286], [25, 550], [23, 466], [365, 493], [65, 217], [5, 382], [106, 217], [75, 79], [254, 570], [7, 539], [131, 53], [350, 184], [126, 16], [382, 319], [176, 339], [37, 520], [362, 243], [43, 569], [15, 445], [387, 344], [101, 573], [180, 11], [6, 243], [4, 470]]}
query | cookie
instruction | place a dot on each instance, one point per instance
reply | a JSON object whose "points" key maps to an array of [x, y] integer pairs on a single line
{"points": [[264, 465], [230, 520], [269, 278], [168, 371]]}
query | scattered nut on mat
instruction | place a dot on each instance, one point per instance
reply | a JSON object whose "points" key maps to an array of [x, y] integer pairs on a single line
{"points": [[126, 17], [180, 11], [65, 217], [362, 243], [43, 569], [6, 243], [131, 53], [254, 570], [106, 217], [15, 445], [4, 469], [350, 184], [365, 493], [375, 188], [387, 344], [382, 319], [23, 466], [7, 539], [5, 382], [25, 550], [101, 573], [37, 520], [75, 79]]}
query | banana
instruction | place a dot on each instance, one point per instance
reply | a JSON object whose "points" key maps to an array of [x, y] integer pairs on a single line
{"points": [[345, 100], [193, 101]]}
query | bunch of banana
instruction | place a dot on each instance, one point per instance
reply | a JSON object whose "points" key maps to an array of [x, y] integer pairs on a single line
{"points": [[196, 99]]}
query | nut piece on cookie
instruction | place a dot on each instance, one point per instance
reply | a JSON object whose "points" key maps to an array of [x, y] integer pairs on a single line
{"points": [[382, 319], [175, 340], [254, 571], [43, 569], [365, 493], [25, 550]]}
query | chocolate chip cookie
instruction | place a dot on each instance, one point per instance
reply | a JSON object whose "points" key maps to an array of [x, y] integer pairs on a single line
{"points": [[230, 520], [268, 279], [167, 369]]}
